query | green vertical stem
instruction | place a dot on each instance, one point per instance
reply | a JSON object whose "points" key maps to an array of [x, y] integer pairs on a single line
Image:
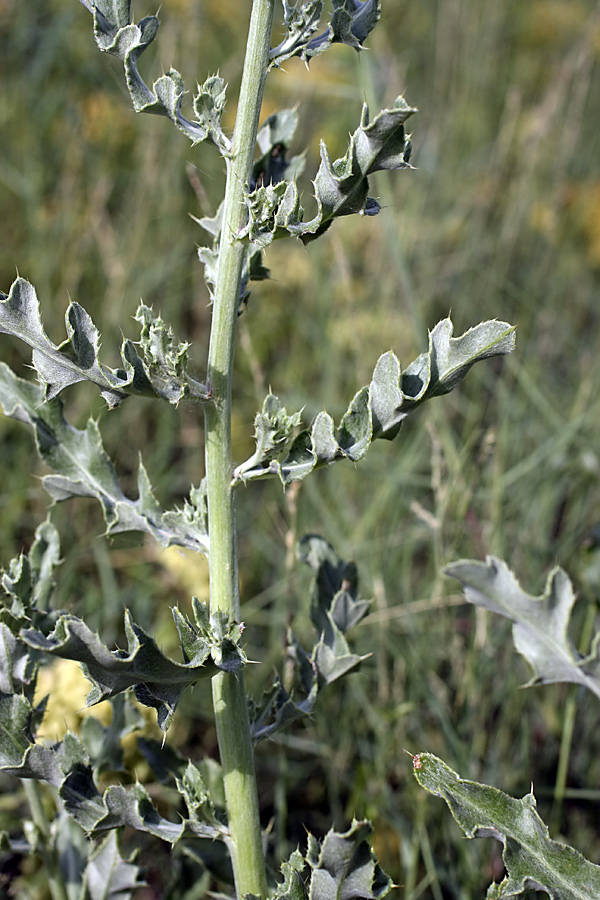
{"points": [[229, 695]]}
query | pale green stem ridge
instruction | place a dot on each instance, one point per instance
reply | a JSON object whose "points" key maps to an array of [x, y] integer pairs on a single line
{"points": [[229, 695]]}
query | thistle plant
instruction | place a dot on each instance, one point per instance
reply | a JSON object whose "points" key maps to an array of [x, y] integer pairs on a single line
{"points": [[76, 824]]}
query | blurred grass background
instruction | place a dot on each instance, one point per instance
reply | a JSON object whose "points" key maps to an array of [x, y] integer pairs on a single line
{"points": [[500, 219]]}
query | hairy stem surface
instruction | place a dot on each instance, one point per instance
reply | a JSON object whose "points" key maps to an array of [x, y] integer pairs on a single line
{"points": [[229, 695]]}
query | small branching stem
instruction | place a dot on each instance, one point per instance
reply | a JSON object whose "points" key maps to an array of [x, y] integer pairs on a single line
{"points": [[229, 695]]}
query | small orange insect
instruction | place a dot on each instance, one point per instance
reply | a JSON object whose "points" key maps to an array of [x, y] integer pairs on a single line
{"points": [[416, 759]]}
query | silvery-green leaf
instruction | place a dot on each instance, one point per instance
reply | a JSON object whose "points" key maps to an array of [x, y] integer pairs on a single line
{"points": [[541, 624], [301, 23], [116, 34], [15, 729], [274, 139], [198, 800], [209, 104], [29, 580], [292, 887], [84, 470], [19, 755], [273, 431], [66, 766], [334, 607], [341, 186], [449, 359], [274, 211], [379, 408], [158, 681], [278, 706], [343, 866], [533, 861], [351, 23], [252, 266], [332, 655], [67, 842], [158, 370], [101, 813], [278, 129], [18, 666], [108, 875], [356, 428]]}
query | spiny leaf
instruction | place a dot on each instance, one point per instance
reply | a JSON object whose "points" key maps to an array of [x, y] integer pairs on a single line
{"points": [[84, 470], [376, 411], [253, 268], [335, 608], [341, 186], [29, 580], [274, 138], [301, 23], [540, 629], [17, 667], [351, 23], [100, 813], [340, 867], [116, 34], [158, 681], [15, 730], [273, 432], [532, 860], [67, 767], [343, 866], [158, 371], [279, 707], [292, 887], [201, 810]]}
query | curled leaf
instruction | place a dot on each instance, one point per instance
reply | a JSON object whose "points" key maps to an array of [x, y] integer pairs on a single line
{"points": [[116, 34], [334, 609], [29, 580], [341, 187], [351, 23], [376, 411], [68, 768], [83, 469], [158, 370], [208, 646], [280, 706]]}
